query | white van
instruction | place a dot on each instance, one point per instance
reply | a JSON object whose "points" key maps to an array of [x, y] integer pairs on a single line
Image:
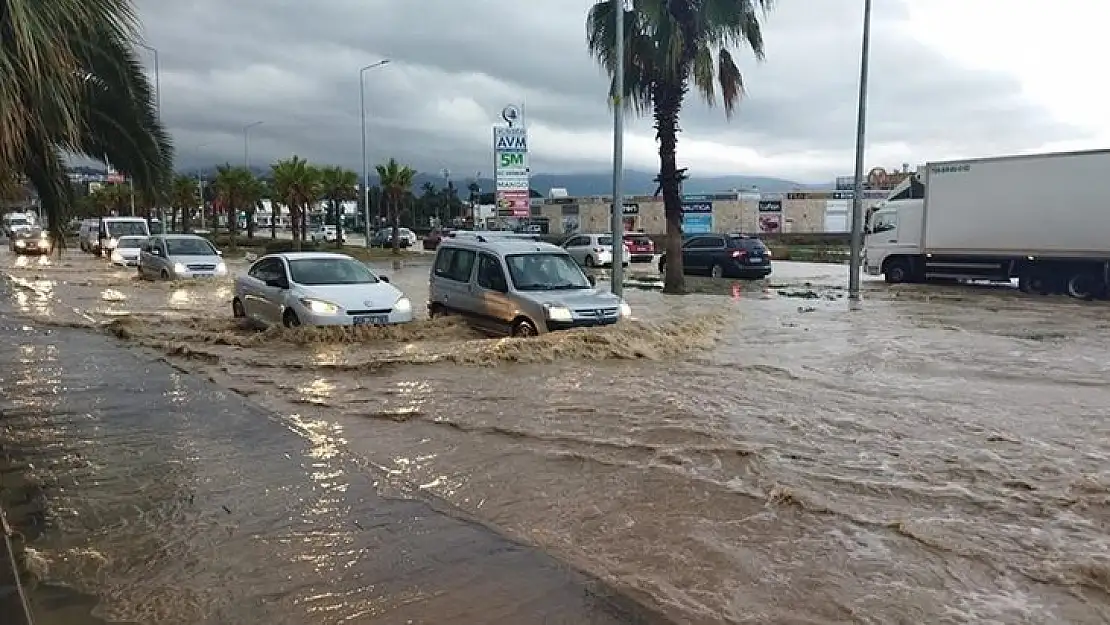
{"points": [[109, 230]]}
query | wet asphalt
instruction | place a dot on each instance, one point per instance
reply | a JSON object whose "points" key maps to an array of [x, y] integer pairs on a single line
{"points": [[70, 397]]}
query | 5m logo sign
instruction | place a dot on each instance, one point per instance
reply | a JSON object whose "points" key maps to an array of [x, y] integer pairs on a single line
{"points": [[511, 160]]}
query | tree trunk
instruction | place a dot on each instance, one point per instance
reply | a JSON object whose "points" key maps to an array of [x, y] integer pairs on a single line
{"points": [[668, 101], [395, 222], [294, 222], [232, 225], [338, 225], [186, 213], [304, 222], [275, 214], [250, 223]]}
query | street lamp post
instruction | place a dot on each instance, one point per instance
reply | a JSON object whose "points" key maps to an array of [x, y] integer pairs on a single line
{"points": [[861, 135], [617, 217], [247, 143], [158, 109], [365, 165], [200, 185]]}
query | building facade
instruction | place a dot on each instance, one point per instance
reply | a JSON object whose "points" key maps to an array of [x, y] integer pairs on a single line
{"points": [[749, 212]]}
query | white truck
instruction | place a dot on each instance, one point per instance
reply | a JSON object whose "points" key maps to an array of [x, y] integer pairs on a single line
{"points": [[1043, 219]]}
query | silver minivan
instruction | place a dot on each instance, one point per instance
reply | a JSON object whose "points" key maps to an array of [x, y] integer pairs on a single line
{"points": [[518, 288]]}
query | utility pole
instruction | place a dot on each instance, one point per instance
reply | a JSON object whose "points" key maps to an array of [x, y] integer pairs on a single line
{"points": [[617, 224], [365, 164], [861, 136]]}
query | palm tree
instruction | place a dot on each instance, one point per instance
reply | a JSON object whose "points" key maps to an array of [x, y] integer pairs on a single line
{"points": [[396, 181], [671, 46], [71, 82], [184, 197], [338, 185], [237, 189], [297, 184]]}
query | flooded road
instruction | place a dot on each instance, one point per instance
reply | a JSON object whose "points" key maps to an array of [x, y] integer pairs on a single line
{"points": [[749, 453]]}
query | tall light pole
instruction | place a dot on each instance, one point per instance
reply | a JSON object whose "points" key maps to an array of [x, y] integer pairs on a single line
{"points": [[861, 137], [200, 185], [158, 109], [247, 143], [617, 224], [365, 165]]}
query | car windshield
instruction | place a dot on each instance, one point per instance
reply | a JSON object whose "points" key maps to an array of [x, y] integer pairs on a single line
{"points": [[324, 271], [129, 243], [545, 272], [189, 247], [605, 240], [30, 233], [18, 221], [124, 228]]}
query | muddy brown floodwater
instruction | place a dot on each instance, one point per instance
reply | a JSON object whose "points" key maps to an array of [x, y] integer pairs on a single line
{"points": [[749, 453]]}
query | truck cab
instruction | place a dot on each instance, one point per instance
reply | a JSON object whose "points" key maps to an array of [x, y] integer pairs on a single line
{"points": [[893, 231]]}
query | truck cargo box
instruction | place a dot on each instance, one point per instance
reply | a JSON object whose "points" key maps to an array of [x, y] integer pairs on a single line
{"points": [[1046, 205]]}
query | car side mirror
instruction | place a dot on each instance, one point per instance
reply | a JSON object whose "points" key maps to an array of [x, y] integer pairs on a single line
{"points": [[591, 279], [219, 253], [278, 283], [384, 279]]}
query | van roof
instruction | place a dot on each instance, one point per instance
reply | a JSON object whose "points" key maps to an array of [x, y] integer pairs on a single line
{"points": [[502, 246]]}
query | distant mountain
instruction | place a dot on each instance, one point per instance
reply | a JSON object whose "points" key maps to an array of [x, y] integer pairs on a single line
{"points": [[585, 184]]}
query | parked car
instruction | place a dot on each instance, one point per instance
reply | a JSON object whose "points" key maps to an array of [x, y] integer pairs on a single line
{"points": [[724, 256], [517, 287], [177, 256], [326, 234], [317, 289], [592, 250], [33, 240], [384, 238], [127, 251], [640, 247]]}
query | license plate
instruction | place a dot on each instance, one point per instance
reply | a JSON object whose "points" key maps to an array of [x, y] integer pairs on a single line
{"points": [[371, 320], [756, 260]]}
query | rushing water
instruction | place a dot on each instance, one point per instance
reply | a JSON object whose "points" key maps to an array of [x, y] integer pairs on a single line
{"points": [[747, 453]]}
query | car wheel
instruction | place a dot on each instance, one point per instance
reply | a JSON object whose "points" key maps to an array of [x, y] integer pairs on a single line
{"points": [[717, 271], [165, 275], [290, 319], [525, 329], [237, 309], [590, 261], [436, 311]]}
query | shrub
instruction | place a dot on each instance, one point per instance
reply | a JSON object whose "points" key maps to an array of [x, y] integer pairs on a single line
{"points": [[277, 246]]}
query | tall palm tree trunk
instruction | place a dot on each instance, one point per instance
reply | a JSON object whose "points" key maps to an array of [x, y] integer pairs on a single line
{"points": [[338, 208], [666, 108], [275, 215], [395, 222]]}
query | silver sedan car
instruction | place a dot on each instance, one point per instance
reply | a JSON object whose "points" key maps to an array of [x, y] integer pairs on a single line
{"points": [[178, 256]]}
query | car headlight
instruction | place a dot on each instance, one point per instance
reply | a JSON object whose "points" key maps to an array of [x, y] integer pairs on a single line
{"points": [[20, 244], [626, 310], [319, 307], [179, 268], [403, 305], [559, 313], [116, 256], [221, 268]]}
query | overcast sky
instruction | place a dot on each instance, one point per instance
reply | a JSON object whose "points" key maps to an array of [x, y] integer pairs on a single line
{"points": [[950, 78]]}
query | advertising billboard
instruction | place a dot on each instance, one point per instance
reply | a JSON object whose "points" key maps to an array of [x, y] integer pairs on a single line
{"points": [[511, 172], [697, 216]]}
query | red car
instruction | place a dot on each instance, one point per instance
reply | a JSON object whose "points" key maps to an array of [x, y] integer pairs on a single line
{"points": [[640, 247]]}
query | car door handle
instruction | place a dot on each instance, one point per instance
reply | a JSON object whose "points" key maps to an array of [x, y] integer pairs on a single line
{"points": [[892, 240]]}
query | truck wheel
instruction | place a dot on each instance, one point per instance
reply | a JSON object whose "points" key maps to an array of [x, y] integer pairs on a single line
{"points": [[897, 272], [524, 329], [1034, 282], [1083, 285]]}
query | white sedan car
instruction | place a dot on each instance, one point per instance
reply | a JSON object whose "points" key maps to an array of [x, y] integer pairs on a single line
{"points": [[317, 289]]}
